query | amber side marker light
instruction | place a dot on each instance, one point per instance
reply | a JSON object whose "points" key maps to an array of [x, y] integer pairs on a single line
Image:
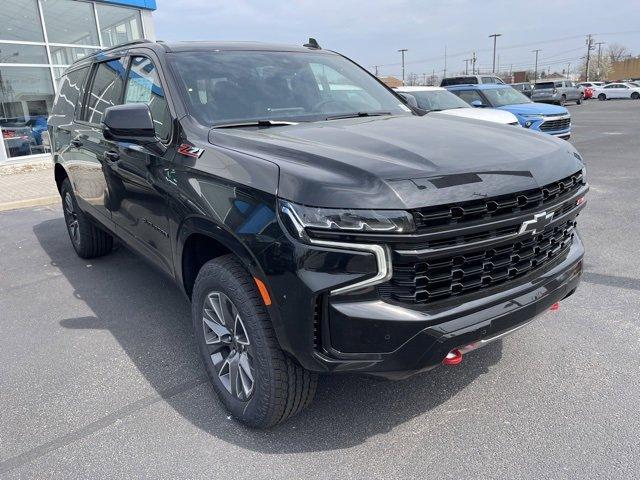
{"points": [[264, 293]]}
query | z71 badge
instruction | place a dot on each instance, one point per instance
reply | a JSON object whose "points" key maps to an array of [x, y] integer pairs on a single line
{"points": [[190, 151]]}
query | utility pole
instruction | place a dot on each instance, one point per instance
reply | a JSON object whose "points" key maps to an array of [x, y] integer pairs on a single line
{"points": [[376, 69], [466, 66], [535, 70], [473, 63], [402, 50], [444, 73], [569, 70], [424, 79], [599, 57], [495, 37], [590, 47]]}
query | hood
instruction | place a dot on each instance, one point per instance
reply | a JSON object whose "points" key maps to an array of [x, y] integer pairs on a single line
{"points": [[486, 114], [399, 162], [535, 109]]}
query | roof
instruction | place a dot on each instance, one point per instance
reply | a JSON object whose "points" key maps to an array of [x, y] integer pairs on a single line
{"points": [[478, 86], [144, 4], [390, 81], [422, 88], [237, 46]]}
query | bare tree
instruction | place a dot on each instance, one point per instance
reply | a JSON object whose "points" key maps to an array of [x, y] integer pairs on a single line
{"points": [[412, 79], [617, 52]]}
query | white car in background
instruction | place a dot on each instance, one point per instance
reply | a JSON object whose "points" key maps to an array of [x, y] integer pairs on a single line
{"points": [[617, 90], [438, 99]]}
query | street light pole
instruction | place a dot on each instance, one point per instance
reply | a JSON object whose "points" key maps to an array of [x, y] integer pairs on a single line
{"points": [[495, 37], [402, 50]]}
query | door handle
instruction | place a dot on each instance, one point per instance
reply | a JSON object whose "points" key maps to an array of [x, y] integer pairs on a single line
{"points": [[111, 156], [76, 143]]}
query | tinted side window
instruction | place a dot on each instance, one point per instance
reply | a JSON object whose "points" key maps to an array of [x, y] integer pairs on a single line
{"points": [[469, 96], [70, 88], [105, 90], [487, 79], [144, 86]]}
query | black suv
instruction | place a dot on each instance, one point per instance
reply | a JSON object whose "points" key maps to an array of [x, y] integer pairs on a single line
{"points": [[316, 221]]}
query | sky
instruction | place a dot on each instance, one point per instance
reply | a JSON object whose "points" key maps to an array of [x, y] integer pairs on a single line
{"points": [[371, 31]]}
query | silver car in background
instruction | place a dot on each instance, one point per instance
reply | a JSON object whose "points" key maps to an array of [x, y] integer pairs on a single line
{"points": [[557, 91]]}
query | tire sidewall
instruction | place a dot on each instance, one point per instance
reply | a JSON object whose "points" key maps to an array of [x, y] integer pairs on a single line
{"points": [[65, 189], [214, 277]]}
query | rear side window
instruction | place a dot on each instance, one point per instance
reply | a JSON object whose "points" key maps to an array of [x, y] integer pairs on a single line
{"points": [[488, 80], [459, 81], [469, 96], [70, 88], [105, 90], [144, 86]]}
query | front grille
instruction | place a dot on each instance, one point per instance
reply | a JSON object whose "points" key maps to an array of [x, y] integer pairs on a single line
{"points": [[534, 199], [553, 125], [442, 277]]}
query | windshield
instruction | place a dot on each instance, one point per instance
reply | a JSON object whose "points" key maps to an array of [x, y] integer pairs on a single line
{"points": [[499, 97], [223, 87], [438, 100]]}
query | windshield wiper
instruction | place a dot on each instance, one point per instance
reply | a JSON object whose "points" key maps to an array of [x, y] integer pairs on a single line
{"points": [[357, 114], [255, 123]]}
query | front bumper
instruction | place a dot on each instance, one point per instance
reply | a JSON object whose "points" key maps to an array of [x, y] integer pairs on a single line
{"points": [[420, 340]]}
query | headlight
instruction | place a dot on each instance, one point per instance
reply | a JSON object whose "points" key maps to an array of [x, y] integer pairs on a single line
{"points": [[350, 220]]}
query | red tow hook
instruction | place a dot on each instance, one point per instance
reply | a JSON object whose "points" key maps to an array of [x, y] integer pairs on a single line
{"points": [[555, 307], [454, 357]]}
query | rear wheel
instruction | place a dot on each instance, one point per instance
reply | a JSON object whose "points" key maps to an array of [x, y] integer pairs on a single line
{"points": [[562, 101], [579, 101], [602, 97], [87, 239], [255, 380], [635, 95]]}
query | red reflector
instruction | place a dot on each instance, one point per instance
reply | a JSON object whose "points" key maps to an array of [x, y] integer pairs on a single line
{"points": [[454, 357], [580, 201], [555, 306]]}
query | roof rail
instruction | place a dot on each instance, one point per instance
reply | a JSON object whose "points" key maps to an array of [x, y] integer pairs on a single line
{"points": [[120, 45]]}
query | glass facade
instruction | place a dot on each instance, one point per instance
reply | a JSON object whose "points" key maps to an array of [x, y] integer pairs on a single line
{"points": [[38, 40]]}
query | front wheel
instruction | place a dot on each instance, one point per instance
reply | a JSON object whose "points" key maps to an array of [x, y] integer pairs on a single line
{"points": [[579, 101], [602, 97], [255, 380], [635, 95], [562, 101]]}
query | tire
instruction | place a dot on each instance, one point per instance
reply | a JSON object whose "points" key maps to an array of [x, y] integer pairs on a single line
{"points": [[579, 101], [635, 95], [87, 239], [268, 386], [563, 100], [602, 97]]}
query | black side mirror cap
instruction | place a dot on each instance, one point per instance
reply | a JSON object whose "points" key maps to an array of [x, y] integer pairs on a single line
{"points": [[131, 122]]}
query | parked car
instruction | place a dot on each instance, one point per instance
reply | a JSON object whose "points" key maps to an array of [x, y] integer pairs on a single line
{"points": [[559, 92], [313, 230], [617, 90], [438, 99], [525, 88], [592, 84], [551, 119], [588, 92], [470, 79]]}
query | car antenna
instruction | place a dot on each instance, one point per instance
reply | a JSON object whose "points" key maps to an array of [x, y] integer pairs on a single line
{"points": [[313, 43]]}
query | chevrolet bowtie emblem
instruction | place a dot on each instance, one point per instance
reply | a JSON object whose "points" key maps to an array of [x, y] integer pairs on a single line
{"points": [[537, 224]]}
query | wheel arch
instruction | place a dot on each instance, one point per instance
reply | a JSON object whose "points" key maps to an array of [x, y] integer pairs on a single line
{"points": [[59, 174], [200, 240]]}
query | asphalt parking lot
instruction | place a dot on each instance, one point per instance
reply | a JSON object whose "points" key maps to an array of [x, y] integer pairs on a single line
{"points": [[100, 378]]}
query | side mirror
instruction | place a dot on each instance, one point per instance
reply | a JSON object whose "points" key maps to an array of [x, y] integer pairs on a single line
{"points": [[131, 122], [411, 100], [477, 104]]}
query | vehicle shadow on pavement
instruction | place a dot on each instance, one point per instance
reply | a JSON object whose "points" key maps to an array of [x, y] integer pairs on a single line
{"points": [[150, 319]]}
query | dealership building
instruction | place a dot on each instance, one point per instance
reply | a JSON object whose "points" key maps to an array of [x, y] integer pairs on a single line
{"points": [[38, 40]]}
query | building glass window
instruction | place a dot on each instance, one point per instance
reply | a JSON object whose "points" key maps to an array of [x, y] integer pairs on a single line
{"points": [[69, 21], [68, 55], [118, 25], [20, 21], [16, 53], [26, 96]]}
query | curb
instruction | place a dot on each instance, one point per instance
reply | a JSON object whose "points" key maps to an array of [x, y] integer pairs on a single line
{"points": [[34, 202]]}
